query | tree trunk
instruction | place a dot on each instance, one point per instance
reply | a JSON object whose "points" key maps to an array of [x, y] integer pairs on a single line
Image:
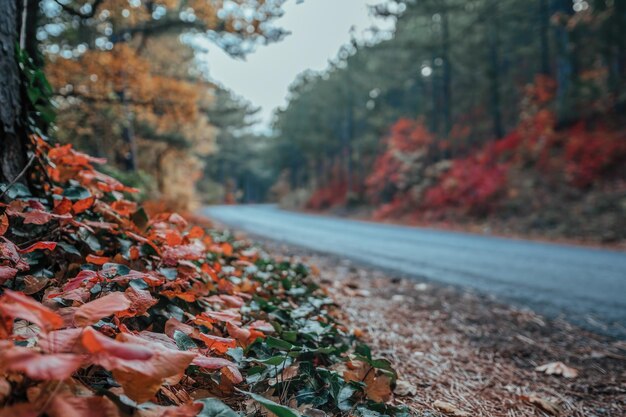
{"points": [[544, 11], [494, 59], [13, 104], [447, 73]]}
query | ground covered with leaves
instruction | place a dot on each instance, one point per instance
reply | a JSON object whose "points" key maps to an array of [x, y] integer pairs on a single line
{"points": [[462, 354], [106, 311]]}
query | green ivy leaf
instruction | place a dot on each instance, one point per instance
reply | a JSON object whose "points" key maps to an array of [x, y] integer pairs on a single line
{"points": [[279, 410], [212, 407]]}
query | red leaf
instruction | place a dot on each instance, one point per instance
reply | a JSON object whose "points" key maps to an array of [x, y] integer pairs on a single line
{"points": [[243, 336], [109, 352], [62, 206], [17, 305], [20, 410], [82, 205], [141, 379], [66, 405], [4, 224], [40, 217], [6, 273], [61, 341], [8, 250], [211, 363], [191, 252], [97, 260], [93, 311], [39, 246], [77, 281], [140, 300], [218, 344], [37, 366]]}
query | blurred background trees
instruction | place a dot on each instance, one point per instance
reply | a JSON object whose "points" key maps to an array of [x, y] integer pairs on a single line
{"points": [[128, 86], [471, 109], [466, 110]]}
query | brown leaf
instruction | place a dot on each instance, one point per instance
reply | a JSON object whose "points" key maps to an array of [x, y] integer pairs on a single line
{"points": [[558, 368], [545, 405], [450, 409], [377, 385]]}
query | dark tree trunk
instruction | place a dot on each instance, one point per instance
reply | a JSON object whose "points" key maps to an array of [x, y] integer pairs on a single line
{"points": [[12, 103], [447, 73], [544, 12], [494, 60]]}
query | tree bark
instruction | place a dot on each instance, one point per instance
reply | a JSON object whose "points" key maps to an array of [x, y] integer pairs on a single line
{"points": [[13, 109]]}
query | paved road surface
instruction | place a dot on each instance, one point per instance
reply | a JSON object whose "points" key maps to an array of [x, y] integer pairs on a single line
{"points": [[588, 285]]}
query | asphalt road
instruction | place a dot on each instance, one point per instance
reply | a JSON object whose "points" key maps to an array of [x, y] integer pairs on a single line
{"points": [[586, 285]]}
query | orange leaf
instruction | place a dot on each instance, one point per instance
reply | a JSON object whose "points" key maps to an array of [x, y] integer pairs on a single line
{"points": [[4, 224], [62, 206], [37, 366], [195, 232], [82, 205], [97, 260], [93, 311], [39, 246], [227, 249], [17, 305], [218, 344]]}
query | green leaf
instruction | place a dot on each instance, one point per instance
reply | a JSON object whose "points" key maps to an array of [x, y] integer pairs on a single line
{"points": [[183, 341], [279, 410], [76, 192], [71, 249], [212, 407], [278, 344]]}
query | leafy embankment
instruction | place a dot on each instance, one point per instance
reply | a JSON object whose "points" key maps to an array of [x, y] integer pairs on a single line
{"points": [[107, 312]]}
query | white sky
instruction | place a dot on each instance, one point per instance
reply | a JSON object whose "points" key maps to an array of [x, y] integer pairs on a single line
{"points": [[318, 29]]}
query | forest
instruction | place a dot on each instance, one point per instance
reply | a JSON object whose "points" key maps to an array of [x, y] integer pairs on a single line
{"points": [[495, 114], [503, 113]]}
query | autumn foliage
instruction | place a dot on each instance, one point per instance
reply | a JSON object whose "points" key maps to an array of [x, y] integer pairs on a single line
{"points": [[414, 178], [106, 311]]}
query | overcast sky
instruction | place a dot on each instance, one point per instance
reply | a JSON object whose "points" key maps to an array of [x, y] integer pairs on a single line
{"points": [[318, 29]]}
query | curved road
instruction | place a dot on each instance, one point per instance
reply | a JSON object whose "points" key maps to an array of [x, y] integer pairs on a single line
{"points": [[586, 284]]}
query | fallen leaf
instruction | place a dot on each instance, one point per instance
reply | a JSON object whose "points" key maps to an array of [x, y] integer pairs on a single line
{"points": [[97, 260], [377, 385], [39, 246], [4, 224], [93, 311], [450, 409], [558, 368], [404, 388], [38, 366], [66, 405], [141, 379], [545, 405], [7, 273], [17, 305]]}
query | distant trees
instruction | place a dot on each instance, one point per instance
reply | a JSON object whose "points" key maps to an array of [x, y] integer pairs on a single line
{"points": [[462, 68], [123, 78]]}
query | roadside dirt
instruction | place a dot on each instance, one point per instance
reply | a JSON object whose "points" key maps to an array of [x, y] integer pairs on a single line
{"points": [[463, 354]]}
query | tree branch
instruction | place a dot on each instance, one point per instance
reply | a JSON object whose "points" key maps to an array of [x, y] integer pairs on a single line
{"points": [[74, 12]]}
